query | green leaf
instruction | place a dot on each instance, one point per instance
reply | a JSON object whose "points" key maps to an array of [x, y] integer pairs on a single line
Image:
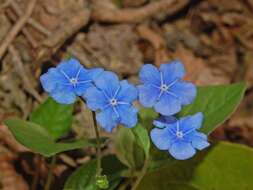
{"points": [[142, 138], [225, 166], [132, 146], [84, 178], [38, 139], [128, 150], [217, 103], [55, 118]]}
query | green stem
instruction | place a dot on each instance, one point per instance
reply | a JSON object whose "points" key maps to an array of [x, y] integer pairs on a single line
{"points": [[50, 174], [142, 174], [99, 156], [37, 172]]}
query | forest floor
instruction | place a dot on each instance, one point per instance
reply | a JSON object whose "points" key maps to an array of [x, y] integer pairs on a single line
{"points": [[213, 38]]}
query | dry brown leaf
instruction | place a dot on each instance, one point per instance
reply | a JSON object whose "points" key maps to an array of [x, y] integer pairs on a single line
{"points": [[197, 70]]}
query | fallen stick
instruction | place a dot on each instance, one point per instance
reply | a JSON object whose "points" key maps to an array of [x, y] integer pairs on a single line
{"points": [[106, 11], [156, 40], [16, 28], [57, 38], [26, 33], [30, 21], [22, 72]]}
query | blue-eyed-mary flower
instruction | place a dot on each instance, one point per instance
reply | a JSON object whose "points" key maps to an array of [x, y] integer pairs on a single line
{"points": [[113, 100], [164, 88], [180, 137], [68, 80]]}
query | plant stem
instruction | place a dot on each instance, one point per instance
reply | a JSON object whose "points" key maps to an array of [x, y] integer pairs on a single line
{"points": [[50, 174], [37, 172], [142, 174], [99, 170]]}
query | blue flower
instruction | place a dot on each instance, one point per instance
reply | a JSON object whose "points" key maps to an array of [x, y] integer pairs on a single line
{"points": [[68, 80], [164, 89], [113, 99], [180, 137]]}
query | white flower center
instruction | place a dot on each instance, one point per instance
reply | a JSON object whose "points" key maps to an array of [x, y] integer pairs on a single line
{"points": [[73, 81], [113, 102], [164, 87], [179, 134]]}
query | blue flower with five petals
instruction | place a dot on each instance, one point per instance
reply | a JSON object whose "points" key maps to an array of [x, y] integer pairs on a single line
{"points": [[164, 89], [179, 137], [68, 80], [113, 99]]}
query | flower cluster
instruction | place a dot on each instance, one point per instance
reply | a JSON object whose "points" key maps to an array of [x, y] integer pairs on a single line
{"points": [[163, 89]]}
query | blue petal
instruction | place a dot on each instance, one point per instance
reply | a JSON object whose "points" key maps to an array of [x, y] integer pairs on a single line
{"points": [[199, 140], [162, 138], [95, 99], [181, 150], [52, 79], [80, 89], [69, 67], [63, 95], [85, 78], [107, 119], [128, 115], [108, 82], [185, 91], [127, 92], [89, 74], [149, 74], [168, 105], [193, 122], [148, 95], [172, 71]]}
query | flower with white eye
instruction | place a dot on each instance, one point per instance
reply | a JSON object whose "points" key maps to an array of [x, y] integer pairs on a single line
{"points": [[68, 80]]}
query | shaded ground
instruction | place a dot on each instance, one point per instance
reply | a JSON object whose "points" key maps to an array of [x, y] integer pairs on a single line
{"points": [[213, 38]]}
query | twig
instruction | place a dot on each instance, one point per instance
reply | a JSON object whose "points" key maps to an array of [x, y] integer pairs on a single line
{"points": [[156, 41], [4, 5], [19, 64], [54, 41], [37, 161], [32, 41], [50, 174], [106, 11], [30, 21], [16, 28]]}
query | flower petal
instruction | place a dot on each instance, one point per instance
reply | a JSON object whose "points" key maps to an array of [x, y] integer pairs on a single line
{"points": [[162, 138], [199, 140], [80, 89], [185, 91], [128, 92], [95, 99], [193, 122], [168, 105], [149, 74], [172, 71], [181, 150], [107, 119], [51, 79], [147, 95], [89, 74], [128, 115], [108, 82], [69, 67], [63, 95]]}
